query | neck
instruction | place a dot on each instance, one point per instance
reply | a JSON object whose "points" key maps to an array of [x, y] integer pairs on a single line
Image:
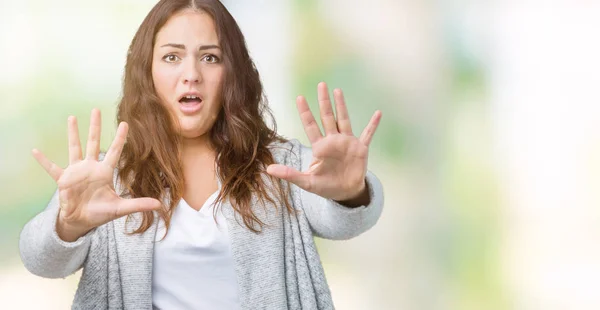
{"points": [[197, 149]]}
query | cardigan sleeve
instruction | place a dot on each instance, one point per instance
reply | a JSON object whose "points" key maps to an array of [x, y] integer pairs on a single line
{"points": [[43, 252], [329, 219]]}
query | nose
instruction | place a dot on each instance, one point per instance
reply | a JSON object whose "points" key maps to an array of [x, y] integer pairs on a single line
{"points": [[191, 73]]}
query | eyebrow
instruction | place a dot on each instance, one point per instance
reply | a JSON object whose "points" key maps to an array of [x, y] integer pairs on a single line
{"points": [[181, 46]]}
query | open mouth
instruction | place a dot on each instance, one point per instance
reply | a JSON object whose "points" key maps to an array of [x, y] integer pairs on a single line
{"points": [[190, 104], [190, 100]]}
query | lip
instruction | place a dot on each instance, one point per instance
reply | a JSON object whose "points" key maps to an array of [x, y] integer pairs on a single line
{"points": [[191, 108]]}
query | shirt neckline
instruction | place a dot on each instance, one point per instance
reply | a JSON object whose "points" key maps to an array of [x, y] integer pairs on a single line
{"points": [[204, 210]]}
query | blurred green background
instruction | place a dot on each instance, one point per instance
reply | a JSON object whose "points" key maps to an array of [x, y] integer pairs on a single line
{"points": [[488, 147]]}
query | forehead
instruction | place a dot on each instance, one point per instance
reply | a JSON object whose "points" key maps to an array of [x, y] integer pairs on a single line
{"points": [[188, 27]]}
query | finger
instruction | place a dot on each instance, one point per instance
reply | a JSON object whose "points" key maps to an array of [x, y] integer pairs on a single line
{"points": [[327, 117], [114, 152], [51, 168], [93, 143], [290, 174], [74, 143], [313, 132], [128, 206], [343, 120], [369, 131]]}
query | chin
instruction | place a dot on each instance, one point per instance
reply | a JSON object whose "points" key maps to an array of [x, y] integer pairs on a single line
{"points": [[188, 133], [194, 127]]}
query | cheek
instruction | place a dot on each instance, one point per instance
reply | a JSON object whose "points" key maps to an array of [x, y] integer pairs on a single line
{"points": [[216, 79], [164, 81]]}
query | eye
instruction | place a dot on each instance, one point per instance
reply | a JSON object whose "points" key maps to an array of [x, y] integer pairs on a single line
{"points": [[211, 59], [170, 58]]}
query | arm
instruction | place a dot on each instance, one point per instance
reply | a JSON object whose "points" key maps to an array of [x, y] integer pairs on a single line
{"points": [[333, 170], [331, 220], [87, 190]]}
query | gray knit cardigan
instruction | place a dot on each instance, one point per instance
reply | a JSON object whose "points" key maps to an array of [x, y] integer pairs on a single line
{"points": [[278, 268]]}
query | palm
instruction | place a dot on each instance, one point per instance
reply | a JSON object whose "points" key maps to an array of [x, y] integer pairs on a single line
{"points": [[339, 165], [89, 185], [338, 162]]}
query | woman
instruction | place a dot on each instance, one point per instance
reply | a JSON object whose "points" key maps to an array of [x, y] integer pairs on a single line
{"points": [[203, 206]]}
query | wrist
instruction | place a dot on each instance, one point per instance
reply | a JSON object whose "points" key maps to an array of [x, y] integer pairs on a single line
{"points": [[362, 198], [69, 232]]}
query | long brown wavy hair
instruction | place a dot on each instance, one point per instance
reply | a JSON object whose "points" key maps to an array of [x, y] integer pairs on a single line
{"points": [[150, 164]]}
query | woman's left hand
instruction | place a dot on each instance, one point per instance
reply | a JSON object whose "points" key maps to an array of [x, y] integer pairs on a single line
{"points": [[339, 165]]}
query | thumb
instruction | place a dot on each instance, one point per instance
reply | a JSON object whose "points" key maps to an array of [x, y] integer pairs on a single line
{"points": [[290, 174], [128, 206]]}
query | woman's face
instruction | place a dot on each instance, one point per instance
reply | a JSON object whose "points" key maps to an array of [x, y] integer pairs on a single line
{"points": [[188, 72]]}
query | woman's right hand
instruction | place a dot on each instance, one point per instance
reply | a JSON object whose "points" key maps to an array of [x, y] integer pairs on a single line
{"points": [[85, 188]]}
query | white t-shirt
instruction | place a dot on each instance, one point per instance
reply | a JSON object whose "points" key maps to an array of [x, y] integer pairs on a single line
{"points": [[193, 265]]}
